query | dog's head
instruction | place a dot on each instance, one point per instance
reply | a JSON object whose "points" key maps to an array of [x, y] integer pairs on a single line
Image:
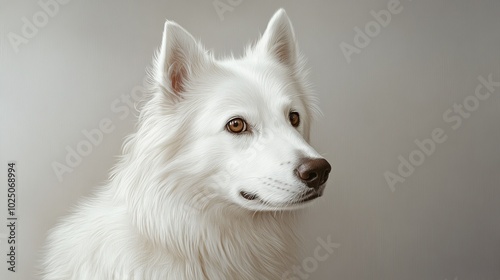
{"points": [[242, 125]]}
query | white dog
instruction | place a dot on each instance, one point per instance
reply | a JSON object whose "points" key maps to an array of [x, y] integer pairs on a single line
{"points": [[207, 186]]}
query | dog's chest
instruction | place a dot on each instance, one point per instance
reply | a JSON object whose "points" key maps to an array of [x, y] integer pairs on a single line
{"points": [[243, 252]]}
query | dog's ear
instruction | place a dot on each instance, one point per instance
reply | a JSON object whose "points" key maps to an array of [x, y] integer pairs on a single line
{"points": [[178, 59], [279, 39]]}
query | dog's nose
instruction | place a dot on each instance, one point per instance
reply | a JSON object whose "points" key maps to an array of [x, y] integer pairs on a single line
{"points": [[314, 172]]}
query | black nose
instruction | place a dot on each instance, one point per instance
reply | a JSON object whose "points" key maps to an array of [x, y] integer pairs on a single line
{"points": [[314, 172]]}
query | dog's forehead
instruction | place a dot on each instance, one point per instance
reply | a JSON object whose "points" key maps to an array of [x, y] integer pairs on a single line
{"points": [[265, 82], [260, 92]]}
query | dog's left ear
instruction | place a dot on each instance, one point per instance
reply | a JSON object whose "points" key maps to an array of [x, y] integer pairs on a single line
{"points": [[279, 40], [179, 58]]}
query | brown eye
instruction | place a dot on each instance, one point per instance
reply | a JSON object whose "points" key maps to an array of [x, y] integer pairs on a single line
{"points": [[236, 125], [294, 119]]}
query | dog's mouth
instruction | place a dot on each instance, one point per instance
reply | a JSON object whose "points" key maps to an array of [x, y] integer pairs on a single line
{"points": [[248, 196], [308, 196]]}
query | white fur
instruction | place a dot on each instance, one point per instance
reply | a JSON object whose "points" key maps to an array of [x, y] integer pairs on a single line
{"points": [[172, 208]]}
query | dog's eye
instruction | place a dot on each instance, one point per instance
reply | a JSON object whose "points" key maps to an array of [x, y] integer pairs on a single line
{"points": [[236, 125], [294, 118]]}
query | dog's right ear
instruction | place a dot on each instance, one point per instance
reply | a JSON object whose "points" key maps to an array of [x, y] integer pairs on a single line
{"points": [[178, 59]]}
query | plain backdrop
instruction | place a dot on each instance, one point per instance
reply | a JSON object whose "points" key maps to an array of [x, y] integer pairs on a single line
{"points": [[441, 222]]}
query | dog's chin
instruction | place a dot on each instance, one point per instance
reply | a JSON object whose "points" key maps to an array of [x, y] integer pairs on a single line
{"points": [[253, 202]]}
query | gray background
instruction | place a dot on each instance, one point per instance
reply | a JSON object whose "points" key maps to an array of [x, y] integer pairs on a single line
{"points": [[443, 222]]}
